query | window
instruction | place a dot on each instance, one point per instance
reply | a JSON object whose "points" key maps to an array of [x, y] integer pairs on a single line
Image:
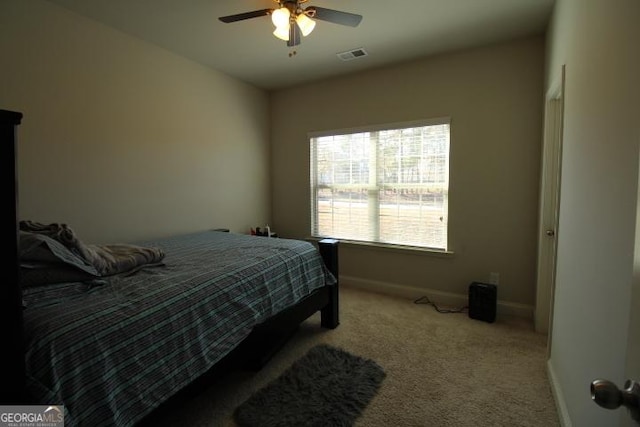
{"points": [[382, 185]]}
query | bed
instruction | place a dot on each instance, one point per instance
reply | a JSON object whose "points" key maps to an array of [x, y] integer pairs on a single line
{"points": [[114, 347]]}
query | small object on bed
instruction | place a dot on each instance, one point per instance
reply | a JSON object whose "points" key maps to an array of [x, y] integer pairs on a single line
{"points": [[264, 232]]}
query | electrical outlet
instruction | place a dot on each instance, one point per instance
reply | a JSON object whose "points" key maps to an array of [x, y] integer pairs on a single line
{"points": [[494, 278]]}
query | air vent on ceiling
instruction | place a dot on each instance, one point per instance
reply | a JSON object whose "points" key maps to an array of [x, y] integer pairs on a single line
{"points": [[352, 54]]}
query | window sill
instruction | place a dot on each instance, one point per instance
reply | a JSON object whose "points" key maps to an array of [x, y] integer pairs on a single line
{"points": [[415, 250]]}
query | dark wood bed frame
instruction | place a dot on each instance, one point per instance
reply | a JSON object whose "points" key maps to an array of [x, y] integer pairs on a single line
{"points": [[265, 339]]}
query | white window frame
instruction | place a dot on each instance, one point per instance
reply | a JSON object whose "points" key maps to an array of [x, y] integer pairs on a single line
{"points": [[374, 189]]}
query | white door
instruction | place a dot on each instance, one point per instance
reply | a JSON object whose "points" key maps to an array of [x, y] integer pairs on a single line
{"points": [[549, 205], [630, 417]]}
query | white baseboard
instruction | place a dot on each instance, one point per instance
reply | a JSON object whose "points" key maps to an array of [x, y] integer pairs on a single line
{"points": [[558, 397], [439, 297]]}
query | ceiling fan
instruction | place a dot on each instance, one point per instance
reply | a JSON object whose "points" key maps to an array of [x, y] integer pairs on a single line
{"points": [[292, 21]]}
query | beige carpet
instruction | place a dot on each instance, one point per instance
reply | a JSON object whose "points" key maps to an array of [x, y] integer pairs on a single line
{"points": [[442, 369]]}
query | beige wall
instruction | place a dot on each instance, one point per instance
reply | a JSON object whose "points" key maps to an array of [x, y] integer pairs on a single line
{"points": [[597, 41], [126, 141], [123, 140], [494, 98]]}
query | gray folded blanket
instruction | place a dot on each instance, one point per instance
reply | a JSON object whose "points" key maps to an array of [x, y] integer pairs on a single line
{"points": [[107, 259]]}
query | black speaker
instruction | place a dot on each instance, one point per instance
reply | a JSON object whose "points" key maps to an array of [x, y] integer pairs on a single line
{"points": [[482, 301]]}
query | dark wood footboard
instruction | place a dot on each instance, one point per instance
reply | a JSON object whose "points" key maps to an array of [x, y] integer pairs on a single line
{"points": [[330, 313]]}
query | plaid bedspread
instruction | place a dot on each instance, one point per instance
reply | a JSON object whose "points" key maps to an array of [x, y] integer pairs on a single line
{"points": [[112, 351]]}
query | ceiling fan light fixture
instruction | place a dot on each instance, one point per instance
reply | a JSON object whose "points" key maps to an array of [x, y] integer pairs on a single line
{"points": [[292, 21], [280, 17], [282, 32], [305, 23]]}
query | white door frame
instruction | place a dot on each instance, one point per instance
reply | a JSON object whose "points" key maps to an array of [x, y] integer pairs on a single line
{"points": [[549, 206]]}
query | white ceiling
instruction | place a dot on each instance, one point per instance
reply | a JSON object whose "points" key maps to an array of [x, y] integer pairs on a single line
{"points": [[390, 32]]}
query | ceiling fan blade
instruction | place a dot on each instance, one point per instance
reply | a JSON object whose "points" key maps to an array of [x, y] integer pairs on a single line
{"points": [[335, 16], [246, 15], [294, 35]]}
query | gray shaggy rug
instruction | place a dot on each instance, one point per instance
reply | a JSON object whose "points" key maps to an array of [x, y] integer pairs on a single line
{"points": [[326, 387]]}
